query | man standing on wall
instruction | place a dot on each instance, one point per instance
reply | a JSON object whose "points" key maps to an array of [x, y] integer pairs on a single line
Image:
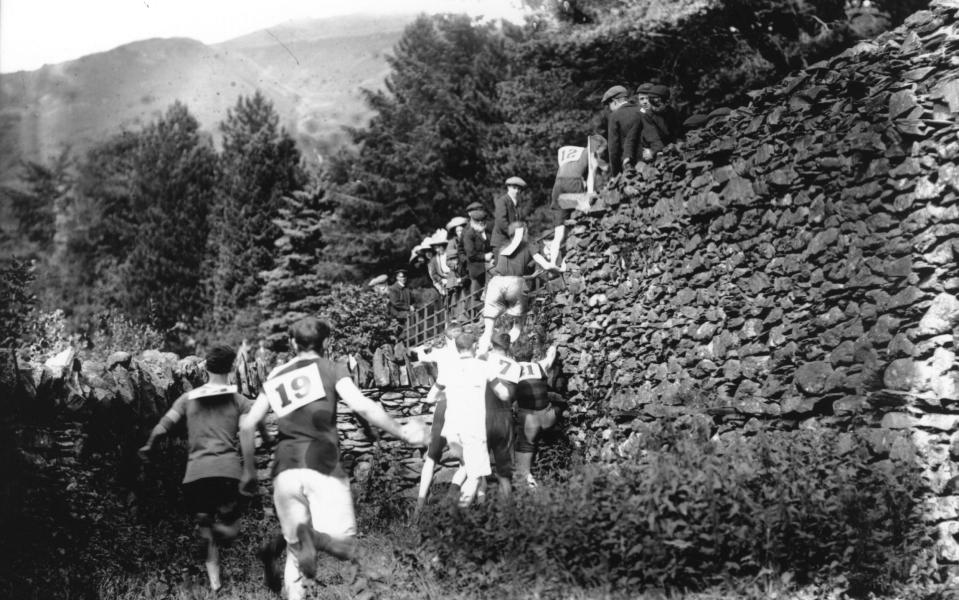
{"points": [[625, 122], [505, 211]]}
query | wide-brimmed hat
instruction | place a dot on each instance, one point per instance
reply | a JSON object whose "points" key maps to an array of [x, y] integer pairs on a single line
{"points": [[617, 91], [417, 250], [456, 222], [516, 181], [437, 239]]}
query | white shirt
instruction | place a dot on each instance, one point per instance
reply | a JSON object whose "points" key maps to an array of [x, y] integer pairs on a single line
{"points": [[464, 381]]}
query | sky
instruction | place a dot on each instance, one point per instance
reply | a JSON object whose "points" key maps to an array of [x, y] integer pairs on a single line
{"points": [[38, 32]]}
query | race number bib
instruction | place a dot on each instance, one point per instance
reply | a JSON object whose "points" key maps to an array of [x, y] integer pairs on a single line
{"points": [[294, 390], [210, 389], [505, 369], [569, 154], [528, 371]]}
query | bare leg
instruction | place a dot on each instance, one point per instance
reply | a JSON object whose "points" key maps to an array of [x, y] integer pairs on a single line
{"points": [[212, 560], [426, 478]]}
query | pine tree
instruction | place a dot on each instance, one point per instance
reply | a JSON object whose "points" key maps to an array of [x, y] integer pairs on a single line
{"points": [[306, 278], [260, 164], [33, 202], [174, 177], [423, 156]]}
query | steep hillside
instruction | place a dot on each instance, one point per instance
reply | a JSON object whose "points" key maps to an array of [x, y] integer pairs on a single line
{"points": [[312, 70], [795, 259]]}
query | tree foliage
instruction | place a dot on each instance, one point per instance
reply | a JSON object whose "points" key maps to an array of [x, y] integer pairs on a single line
{"points": [[304, 282], [174, 177], [34, 201], [260, 165]]}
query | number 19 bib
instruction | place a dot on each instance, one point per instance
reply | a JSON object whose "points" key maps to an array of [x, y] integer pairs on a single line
{"points": [[293, 390]]}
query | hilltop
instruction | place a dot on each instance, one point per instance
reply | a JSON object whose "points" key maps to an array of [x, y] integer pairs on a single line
{"points": [[312, 70]]}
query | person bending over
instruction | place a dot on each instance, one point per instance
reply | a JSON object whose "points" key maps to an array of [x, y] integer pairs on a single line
{"points": [[534, 411], [506, 292]]}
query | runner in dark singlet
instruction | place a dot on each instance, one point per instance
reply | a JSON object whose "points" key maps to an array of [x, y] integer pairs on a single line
{"points": [[534, 412], [311, 492]]}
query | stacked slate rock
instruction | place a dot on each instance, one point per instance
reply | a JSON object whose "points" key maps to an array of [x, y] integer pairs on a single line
{"points": [[794, 263], [94, 408]]}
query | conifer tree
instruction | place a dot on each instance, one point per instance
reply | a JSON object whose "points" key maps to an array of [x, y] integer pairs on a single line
{"points": [[260, 164], [307, 278], [174, 178]]}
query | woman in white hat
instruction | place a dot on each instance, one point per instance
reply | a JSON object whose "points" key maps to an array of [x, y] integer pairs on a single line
{"points": [[439, 273], [455, 262]]}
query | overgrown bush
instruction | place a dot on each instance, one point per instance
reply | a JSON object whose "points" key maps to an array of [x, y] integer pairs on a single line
{"points": [[16, 300], [692, 514]]}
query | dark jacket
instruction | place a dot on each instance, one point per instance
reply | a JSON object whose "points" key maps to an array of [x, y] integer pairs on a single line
{"points": [[624, 128], [475, 245], [399, 301], [504, 213]]}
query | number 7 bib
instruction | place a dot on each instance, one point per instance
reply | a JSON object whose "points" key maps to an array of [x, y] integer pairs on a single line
{"points": [[294, 390]]}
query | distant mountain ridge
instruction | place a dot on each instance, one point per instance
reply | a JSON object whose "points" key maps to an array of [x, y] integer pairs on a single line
{"points": [[311, 69]]}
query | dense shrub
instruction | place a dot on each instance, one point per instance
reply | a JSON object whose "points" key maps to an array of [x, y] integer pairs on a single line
{"points": [[693, 513], [16, 300]]}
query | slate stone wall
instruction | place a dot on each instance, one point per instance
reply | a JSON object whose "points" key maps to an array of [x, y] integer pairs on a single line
{"points": [[792, 264]]}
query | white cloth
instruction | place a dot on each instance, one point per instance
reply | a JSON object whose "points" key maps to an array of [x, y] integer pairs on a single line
{"points": [[464, 381]]}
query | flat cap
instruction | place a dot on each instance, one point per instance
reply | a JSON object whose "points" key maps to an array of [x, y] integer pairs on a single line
{"points": [[660, 90], [476, 210], [645, 88], [617, 91], [516, 181]]}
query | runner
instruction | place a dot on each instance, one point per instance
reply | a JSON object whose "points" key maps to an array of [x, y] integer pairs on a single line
{"points": [[506, 292], [534, 413], [499, 412], [465, 382], [212, 413], [311, 492], [434, 452]]}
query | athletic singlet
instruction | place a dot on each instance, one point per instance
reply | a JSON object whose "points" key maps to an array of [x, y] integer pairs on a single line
{"points": [[303, 395], [506, 370], [531, 389]]}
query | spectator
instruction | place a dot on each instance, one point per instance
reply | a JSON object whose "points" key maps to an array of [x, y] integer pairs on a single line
{"points": [[439, 274], [505, 211], [645, 143], [398, 306], [476, 246], [457, 264], [662, 114], [625, 120], [506, 291]]}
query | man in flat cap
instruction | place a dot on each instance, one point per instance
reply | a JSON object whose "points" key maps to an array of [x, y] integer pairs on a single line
{"points": [[505, 211], [662, 114], [476, 246], [399, 300], [625, 120]]}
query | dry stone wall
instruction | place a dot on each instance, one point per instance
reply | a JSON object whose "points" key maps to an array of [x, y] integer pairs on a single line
{"points": [[793, 263], [93, 408]]}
